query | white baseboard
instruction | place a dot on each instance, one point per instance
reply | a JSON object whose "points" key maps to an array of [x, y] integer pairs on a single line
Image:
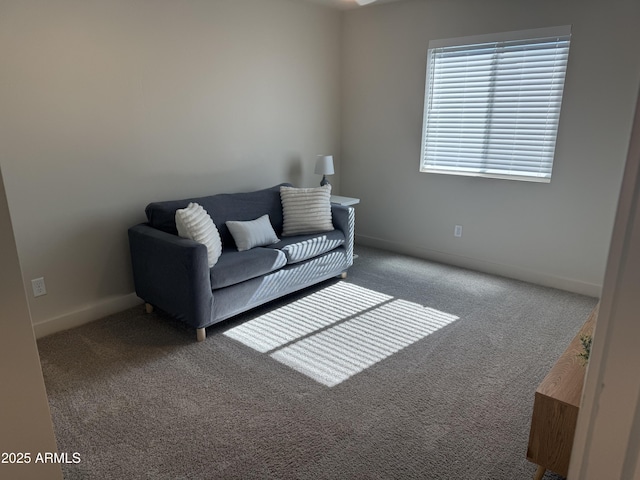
{"points": [[88, 314], [119, 303], [510, 271]]}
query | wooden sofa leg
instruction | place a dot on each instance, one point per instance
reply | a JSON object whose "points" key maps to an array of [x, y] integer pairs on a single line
{"points": [[343, 275], [201, 334], [148, 308]]}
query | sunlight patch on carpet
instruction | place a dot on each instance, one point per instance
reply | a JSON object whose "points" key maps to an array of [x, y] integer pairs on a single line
{"points": [[333, 355], [306, 315], [339, 331]]}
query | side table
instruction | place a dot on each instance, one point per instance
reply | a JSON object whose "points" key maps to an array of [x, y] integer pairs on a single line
{"points": [[346, 201], [556, 406]]}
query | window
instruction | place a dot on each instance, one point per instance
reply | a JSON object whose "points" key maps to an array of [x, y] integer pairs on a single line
{"points": [[492, 104]]}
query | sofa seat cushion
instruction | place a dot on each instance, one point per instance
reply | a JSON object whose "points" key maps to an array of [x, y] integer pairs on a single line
{"points": [[303, 247], [235, 267]]}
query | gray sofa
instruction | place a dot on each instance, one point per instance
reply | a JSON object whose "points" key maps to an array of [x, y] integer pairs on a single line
{"points": [[172, 273]]}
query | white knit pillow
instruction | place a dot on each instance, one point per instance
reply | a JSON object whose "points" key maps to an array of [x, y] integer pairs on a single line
{"points": [[195, 223], [306, 210], [252, 233]]}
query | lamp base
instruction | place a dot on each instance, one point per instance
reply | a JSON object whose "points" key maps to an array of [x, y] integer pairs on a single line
{"points": [[324, 181]]}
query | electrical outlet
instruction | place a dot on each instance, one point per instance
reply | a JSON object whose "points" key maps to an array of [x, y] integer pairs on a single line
{"points": [[39, 287], [457, 232]]}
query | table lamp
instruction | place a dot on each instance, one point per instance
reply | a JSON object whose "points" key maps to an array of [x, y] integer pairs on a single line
{"points": [[324, 167]]}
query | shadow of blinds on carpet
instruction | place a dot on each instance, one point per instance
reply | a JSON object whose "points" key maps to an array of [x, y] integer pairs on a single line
{"points": [[339, 331]]}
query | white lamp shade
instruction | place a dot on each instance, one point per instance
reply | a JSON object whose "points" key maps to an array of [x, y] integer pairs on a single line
{"points": [[324, 165]]}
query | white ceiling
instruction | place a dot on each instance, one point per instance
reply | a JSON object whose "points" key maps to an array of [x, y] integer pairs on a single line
{"points": [[345, 4]]}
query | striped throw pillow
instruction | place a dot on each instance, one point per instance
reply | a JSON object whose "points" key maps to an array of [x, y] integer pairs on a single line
{"points": [[195, 223], [306, 210]]}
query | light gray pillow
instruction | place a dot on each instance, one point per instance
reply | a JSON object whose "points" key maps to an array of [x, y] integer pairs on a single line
{"points": [[195, 223], [254, 233], [306, 210]]}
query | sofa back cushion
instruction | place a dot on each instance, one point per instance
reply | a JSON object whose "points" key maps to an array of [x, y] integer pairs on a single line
{"points": [[222, 208]]}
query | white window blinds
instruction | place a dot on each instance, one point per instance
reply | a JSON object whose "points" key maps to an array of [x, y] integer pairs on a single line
{"points": [[492, 104]]}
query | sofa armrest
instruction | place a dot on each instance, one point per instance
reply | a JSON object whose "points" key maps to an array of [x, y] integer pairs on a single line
{"points": [[344, 219], [172, 273]]}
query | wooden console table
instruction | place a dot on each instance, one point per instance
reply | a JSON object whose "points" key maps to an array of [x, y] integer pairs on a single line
{"points": [[556, 406]]}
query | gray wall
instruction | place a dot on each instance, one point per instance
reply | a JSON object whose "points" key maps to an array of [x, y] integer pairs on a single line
{"points": [[109, 105], [607, 438], [555, 234], [24, 411]]}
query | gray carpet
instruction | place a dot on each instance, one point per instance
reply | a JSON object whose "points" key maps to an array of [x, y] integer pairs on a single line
{"points": [[432, 372]]}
